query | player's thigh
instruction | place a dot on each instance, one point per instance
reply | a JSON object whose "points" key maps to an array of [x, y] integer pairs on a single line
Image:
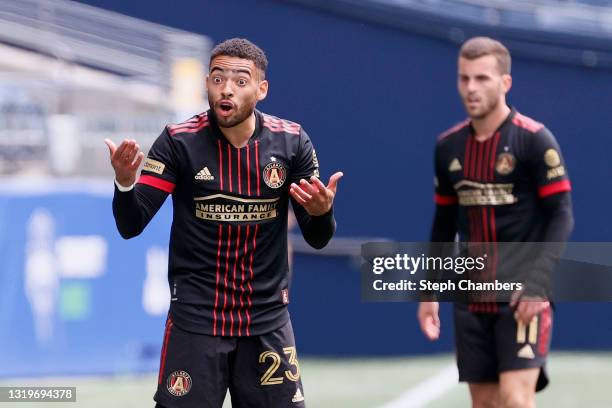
{"points": [[265, 372], [524, 346], [475, 345], [485, 395], [517, 387], [194, 369]]}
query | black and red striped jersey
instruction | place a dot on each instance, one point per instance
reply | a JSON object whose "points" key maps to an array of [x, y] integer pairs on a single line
{"points": [[513, 187], [498, 183], [228, 268]]}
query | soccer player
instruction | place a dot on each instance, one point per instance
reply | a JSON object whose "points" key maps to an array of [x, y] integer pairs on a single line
{"points": [[231, 171], [500, 177]]}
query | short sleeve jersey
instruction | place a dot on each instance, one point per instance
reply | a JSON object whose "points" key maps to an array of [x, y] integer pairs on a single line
{"points": [[228, 269]]}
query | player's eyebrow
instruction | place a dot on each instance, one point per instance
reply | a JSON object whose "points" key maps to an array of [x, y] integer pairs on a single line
{"points": [[243, 71]]}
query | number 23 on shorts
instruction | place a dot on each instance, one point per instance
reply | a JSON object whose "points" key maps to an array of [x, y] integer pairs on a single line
{"points": [[267, 378]]}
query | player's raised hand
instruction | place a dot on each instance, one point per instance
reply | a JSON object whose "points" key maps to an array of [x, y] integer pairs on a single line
{"points": [[314, 196], [429, 319], [125, 160]]}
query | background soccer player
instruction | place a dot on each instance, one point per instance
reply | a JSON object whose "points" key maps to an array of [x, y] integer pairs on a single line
{"points": [[231, 171], [500, 177]]}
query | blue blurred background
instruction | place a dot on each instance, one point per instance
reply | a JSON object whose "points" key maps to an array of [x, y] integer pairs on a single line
{"points": [[372, 82]]}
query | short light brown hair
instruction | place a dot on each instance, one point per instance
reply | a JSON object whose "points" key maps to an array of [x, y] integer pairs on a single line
{"points": [[481, 46]]}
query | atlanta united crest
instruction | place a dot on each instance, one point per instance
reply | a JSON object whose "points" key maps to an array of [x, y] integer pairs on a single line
{"points": [[274, 174], [505, 163], [179, 383]]}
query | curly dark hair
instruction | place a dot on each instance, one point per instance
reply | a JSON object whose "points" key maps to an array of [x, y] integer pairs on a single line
{"points": [[241, 48]]}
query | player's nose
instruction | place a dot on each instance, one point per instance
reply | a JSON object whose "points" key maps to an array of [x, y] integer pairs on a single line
{"points": [[227, 90]]}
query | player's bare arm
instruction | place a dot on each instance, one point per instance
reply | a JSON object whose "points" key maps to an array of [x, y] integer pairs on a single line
{"points": [[316, 198], [125, 159]]}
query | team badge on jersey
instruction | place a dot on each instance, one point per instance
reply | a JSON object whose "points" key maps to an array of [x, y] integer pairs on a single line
{"points": [[179, 383], [505, 163], [553, 161], [274, 174], [552, 158]]}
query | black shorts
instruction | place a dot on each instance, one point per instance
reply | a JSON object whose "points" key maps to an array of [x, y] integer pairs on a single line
{"points": [[490, 343], [196, 370]]}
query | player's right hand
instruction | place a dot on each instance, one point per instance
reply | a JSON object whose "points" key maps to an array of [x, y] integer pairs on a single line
{"points": [[125, 160], [429, 319]]}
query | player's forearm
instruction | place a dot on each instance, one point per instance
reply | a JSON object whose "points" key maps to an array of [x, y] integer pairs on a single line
{"points": [[317, 231], [560, 218], [559, 226], [444, 226], [134, 209], [443, 230]]}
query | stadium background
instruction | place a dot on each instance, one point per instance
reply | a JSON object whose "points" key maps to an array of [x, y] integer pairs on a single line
{"points": [[373, 83]]}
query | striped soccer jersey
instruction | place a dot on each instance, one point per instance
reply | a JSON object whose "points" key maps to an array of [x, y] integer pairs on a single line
{"points": [[228, 269], [498, 185]]}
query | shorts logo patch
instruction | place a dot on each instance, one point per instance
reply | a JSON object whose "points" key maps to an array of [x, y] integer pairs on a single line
{"points": [[274, 174], [505, 163], [298, 397], [179, 383], [526, 352]]}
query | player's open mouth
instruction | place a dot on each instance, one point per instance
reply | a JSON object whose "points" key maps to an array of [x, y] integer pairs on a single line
{"points": [[225, 108]]}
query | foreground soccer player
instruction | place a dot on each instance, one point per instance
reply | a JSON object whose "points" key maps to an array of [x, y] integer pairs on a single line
{"points": [[500, 177], [231, 171]]}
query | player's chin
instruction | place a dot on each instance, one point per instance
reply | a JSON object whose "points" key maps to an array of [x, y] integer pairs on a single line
{"points": [[228, 121], [476, 114]]}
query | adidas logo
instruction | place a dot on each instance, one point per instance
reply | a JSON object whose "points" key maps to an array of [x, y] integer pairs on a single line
{"points": [[526, 352], [455, 165], [205, 175], [298, 397]]}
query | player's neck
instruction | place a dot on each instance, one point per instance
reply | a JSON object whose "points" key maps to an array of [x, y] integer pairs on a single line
{"points": [[484, 128], [239, 135]]}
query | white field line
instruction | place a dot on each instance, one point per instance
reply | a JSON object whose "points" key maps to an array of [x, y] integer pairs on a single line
{"points": [[428, 390]]}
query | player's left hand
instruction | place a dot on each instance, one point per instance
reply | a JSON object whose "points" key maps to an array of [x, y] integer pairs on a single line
{"points": [[527, 307], [314, 196]]}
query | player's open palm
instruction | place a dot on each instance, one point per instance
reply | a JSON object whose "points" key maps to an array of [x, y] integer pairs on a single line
{"points": [[125, 159], [314, 196], [429, 319]]}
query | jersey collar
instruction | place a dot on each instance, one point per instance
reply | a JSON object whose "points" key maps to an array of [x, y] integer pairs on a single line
{"points": [[503, 125], [219, 134]]}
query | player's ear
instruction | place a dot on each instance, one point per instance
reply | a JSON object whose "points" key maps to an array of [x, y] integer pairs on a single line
{"points": [[262, 90], [507, 82]]}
